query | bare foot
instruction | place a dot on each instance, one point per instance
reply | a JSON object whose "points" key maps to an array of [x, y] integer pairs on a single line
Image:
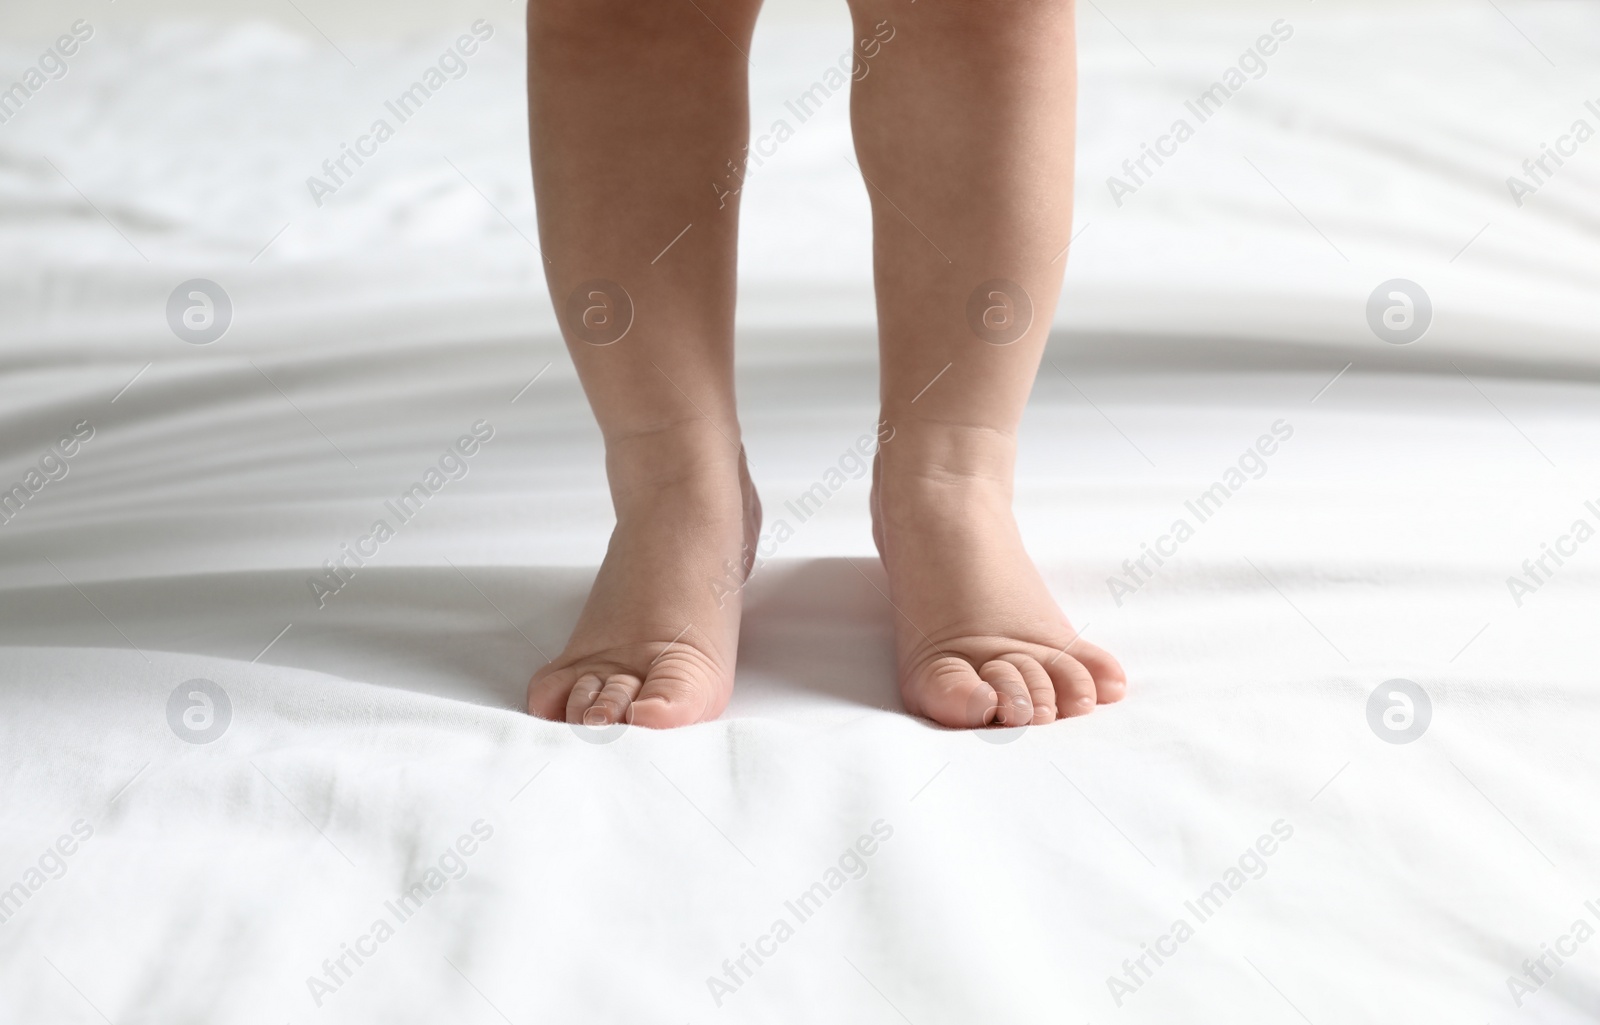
{"points": [[656, 643], [978, 638]]}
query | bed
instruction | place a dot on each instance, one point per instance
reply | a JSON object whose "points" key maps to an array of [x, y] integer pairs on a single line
{"points": [[1356, 776]]}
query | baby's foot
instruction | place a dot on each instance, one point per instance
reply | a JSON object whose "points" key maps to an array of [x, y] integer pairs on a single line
{"points": [[978, 638], [656, 642]]}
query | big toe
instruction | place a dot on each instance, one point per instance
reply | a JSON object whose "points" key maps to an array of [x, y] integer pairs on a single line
{"points": [[677, 691], [950, 692], [1110, 679]]}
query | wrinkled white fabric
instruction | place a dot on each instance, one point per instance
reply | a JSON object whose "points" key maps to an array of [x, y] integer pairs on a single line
{"points": [[374, 786]]}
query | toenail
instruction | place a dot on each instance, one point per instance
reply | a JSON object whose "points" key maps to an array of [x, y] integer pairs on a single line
{"points": [[596, 716]]}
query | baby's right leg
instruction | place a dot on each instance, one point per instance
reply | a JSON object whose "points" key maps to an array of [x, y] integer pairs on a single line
{"points": [[635, 110]]}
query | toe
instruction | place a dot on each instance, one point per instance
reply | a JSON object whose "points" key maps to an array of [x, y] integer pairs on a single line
{"points": [[1075, 687], [1110, 680], [1109, 689], [548, 692], [1016, 706], [1041, 689], [582, 696], [950, 692], [611, 704], [676, 692]]}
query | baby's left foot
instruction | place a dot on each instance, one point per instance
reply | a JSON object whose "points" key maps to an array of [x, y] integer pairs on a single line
{"points": [[978, 638]]}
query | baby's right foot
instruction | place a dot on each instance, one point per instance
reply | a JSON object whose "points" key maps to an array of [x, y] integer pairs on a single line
{"points": [[656, 643]]}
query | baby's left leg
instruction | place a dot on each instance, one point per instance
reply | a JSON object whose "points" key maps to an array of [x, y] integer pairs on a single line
{"points": [[964, 127]]}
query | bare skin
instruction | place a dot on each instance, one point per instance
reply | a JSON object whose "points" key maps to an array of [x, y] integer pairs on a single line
{"points": [[964, 130], [635, 110]]}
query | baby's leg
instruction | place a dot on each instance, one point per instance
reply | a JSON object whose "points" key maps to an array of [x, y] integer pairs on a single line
{"points": [[964, 127], [635, 110]]}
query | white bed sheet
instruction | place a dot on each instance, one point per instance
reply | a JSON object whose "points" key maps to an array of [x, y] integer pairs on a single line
{"points": [[1019, 871]]}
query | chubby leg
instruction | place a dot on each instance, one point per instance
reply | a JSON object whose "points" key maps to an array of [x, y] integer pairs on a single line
{"points": [[964, 125], [636, 110]]}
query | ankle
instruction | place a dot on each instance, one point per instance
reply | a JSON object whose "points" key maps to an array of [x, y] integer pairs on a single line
{"points": [[941, 453], [691, 463], [935, 470]]}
